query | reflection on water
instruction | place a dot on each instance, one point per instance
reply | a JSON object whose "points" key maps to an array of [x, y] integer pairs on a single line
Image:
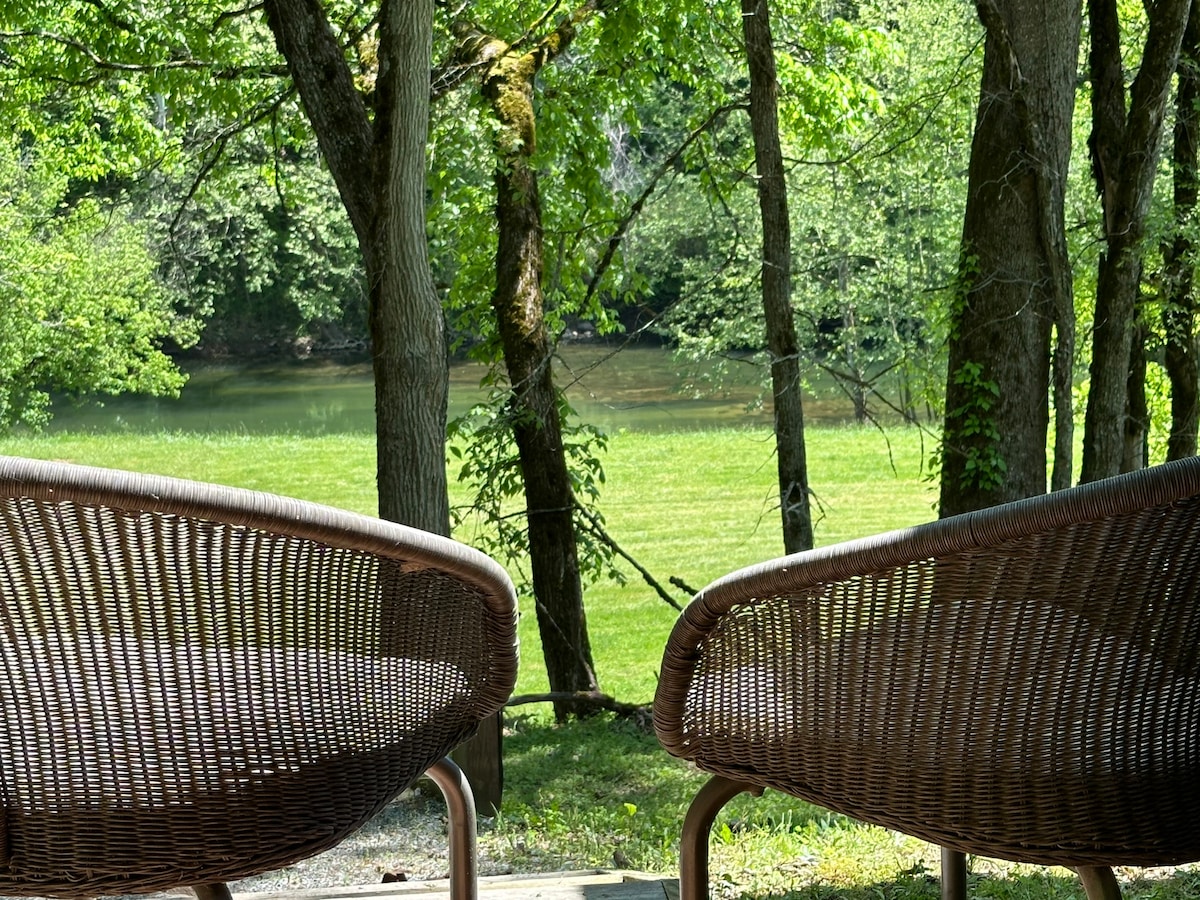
{"points": [[638, 388]]}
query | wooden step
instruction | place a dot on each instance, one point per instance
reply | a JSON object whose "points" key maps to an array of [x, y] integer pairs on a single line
{"points": [[589, 885]]}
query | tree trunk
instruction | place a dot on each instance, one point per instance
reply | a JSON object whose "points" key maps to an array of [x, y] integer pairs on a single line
{"points": [[1014, 271], [1137, 420], [518, 304], [380, 175], [1124, 161], [409, 353], [1179, 312], [776, 279]]}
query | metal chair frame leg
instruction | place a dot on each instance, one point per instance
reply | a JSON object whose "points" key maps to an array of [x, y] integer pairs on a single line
{"points": [[697, 826], [954, 874], [460, 803], [1099, 883]]}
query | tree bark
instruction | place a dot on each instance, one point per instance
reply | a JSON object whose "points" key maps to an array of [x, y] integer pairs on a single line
{"points": [[1013, 279], [409, 353], [782, 343], [1179, 312], [537, 427], [380, 174], [1135, 448], [1124, 162]]}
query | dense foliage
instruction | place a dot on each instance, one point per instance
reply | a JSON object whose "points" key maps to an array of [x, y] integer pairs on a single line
{"points": [[82, 309]]}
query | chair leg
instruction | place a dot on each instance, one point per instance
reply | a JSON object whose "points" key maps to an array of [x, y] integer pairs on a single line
{"points": [[954, 874], [697, 825], [216, 891], [1099, 883], [460, 803]]}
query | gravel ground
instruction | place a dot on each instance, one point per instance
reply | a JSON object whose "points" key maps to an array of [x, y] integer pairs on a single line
{"points": [[408, 838]]}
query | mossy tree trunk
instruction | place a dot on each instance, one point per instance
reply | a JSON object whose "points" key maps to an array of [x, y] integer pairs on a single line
{"points": [[1014, 278], [518, 304]]}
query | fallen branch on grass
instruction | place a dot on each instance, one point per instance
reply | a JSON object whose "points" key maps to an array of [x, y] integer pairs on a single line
{"points": [[592, 698]]}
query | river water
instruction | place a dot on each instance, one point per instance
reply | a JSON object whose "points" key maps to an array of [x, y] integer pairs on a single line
{"points": [[630, 387]]}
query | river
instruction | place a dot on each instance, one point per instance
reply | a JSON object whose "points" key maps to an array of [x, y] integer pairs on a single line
{"points": [[631, 387]]}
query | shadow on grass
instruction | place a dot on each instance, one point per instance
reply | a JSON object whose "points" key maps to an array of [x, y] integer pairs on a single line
{"points": [[602, 793]]}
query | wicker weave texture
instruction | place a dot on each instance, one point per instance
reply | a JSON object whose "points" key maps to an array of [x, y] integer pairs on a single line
{"points": [[1021, 683], [199, 683]]}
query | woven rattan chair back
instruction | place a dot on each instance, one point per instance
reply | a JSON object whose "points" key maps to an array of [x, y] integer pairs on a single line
{"points": [[200, 683], [1022, 682]]}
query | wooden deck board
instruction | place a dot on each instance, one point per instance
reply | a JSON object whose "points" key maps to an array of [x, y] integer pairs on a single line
{"points": [[593, 885]]}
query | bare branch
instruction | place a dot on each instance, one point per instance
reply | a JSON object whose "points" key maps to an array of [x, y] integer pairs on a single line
{"points": [[536, 27], [589, 698], [100, 62], [220, 142], [230, 15], [596, 529], [556, 42], [222, 71], [635, 209]]}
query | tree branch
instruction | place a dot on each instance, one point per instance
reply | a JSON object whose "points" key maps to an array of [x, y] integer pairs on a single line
{"points": [[231, 14], [556, 42], [333, 104], [597, 530], [102, 64], [588, 698], [476, 49], [473, 53], [112, 17], [536, 27], [220, 142], [635, 209]]}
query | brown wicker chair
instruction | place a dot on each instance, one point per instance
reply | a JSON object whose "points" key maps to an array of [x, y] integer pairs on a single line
{"points": [[200, 683], [1021, 682]]}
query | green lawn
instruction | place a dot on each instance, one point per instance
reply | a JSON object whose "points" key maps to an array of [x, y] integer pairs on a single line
{"points": [[690, 505]]}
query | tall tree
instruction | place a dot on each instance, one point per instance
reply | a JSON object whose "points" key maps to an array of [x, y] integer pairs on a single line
{"points": [[127, 84], [782, 343], [1179, 306], [509, 74], [1014, 271], [1124, 148], [210, 64], [378, 163]]}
